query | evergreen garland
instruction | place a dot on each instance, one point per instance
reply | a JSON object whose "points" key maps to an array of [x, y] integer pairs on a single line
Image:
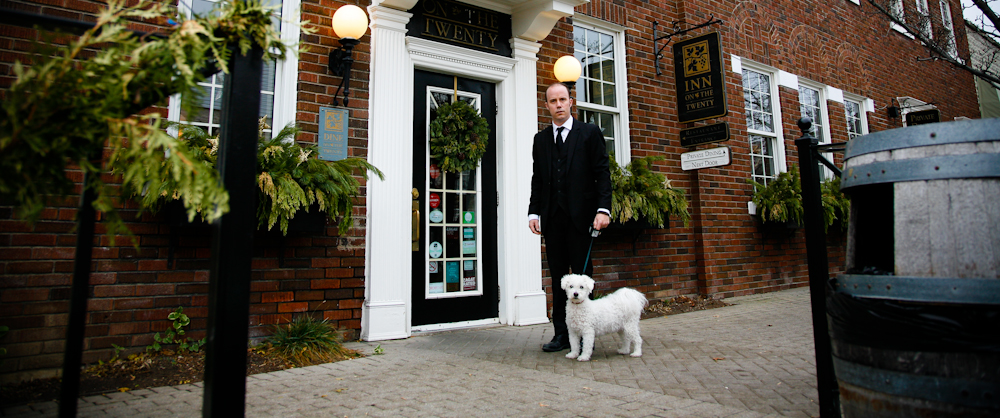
{"points": [[459, 137], [290, 178], [781, 200], [637, 191]]}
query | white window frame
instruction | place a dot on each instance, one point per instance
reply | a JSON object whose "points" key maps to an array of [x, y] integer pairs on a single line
{"points": [[864, 106], [949, 28], [285, 75], [924, 14], [778, 135], [824, 112], [896, 8], [622, 144]]}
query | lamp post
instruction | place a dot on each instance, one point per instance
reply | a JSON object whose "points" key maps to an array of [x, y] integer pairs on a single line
{"points": [[349, 23], [567, 70]]}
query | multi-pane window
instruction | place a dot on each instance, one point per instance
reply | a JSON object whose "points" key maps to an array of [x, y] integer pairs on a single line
{"points": [[923, 18], [453, 207], [208, 108], [949, 29], [896, 10], [855, 119], [813, 106], [760, 114], [601, 88]]}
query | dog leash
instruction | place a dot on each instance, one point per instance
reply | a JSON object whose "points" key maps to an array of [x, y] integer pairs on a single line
{"points": [[593, 234]]}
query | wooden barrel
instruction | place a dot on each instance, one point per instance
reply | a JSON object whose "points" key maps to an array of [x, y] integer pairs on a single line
{"points": [[915, 321]]}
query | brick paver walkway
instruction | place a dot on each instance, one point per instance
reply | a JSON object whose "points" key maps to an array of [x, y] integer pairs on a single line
{"points": [[752, 359]]}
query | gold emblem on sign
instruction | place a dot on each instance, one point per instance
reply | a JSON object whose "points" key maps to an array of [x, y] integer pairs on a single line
{"points": [[696, 59], [334, 121]]}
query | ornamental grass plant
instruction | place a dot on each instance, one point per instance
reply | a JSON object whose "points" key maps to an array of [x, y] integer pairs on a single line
{"points": [[307, 341]]}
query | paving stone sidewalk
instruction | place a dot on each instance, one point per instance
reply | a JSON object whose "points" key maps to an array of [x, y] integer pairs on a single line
{"points": [[752, 359]]}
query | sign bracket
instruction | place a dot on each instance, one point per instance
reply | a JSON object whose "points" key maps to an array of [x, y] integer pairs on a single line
{"points": [[677, 31]]}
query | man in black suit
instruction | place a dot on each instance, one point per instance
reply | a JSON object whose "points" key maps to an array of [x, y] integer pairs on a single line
{"points": [[570, 193]]}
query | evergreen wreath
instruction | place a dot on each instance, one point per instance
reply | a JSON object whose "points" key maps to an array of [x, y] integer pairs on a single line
{"points": [[459, 136]]}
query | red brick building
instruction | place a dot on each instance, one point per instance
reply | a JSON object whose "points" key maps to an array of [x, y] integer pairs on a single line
{"points": [[835, 60]]}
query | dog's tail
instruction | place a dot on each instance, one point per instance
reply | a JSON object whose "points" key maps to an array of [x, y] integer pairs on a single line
{"points": [[632, 297]]}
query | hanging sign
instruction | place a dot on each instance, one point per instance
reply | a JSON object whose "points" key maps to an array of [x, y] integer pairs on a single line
{"points": [[707, 134], [461, 24], [332, 134], [705, 158], [701, 84], [922, 117]]}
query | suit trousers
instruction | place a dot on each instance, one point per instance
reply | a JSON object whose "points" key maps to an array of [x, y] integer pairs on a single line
{"points": [[566, 249]]}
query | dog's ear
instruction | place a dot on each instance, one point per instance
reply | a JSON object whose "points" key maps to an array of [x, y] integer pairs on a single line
{"points": [[589, 283], [564, 282]]}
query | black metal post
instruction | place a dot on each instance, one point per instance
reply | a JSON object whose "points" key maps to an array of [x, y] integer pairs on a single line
{"points": [[232, 240], [819, 274], [79, 292]]}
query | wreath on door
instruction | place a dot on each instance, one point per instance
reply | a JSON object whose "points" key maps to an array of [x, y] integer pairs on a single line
{"points": [[459, 136]]}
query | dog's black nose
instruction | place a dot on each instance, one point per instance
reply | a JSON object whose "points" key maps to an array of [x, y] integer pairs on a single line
{"points": [[575, 295]]}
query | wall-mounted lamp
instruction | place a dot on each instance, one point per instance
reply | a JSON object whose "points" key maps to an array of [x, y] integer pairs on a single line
{"points": [[567, 70], [349, 23]]}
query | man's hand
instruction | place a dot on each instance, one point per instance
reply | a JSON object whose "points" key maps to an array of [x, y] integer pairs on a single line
{"points": [[601, 220], [535, 227]]}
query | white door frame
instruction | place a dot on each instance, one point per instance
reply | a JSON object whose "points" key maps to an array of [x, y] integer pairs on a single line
{"points": [[394, 56]]}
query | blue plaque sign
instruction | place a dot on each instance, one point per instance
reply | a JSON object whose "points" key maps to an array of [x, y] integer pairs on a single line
{"points": [[332, 134]]}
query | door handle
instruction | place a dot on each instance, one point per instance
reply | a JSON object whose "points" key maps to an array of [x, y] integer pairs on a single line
{"points": [[415, 216]]}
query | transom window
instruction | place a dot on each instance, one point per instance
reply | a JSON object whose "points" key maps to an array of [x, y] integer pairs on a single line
{"points": [[601, 91], [758, 90]]}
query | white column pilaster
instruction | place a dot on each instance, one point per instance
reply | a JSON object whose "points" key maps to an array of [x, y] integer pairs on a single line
{"points": [[522, 247], [385, 313]]}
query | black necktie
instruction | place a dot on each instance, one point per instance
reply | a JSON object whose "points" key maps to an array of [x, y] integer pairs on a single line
{"points": [[559, 139]]}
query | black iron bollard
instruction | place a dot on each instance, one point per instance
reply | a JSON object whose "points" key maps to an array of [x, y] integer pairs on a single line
{"points": [[826, 380], [232, 241]]}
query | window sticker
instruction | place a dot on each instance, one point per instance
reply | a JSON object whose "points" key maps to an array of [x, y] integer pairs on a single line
{"points": [[468, 247], [432, 268], [452, 272], [469, 217], [435, 249], [436, 288], [437, 216], [469, 283]]}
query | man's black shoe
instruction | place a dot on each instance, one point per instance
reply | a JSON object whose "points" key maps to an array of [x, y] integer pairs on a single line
{"points": [[558, 343]]}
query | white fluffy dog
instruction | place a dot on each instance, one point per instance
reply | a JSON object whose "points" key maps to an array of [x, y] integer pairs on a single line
{"points": [[588, 319]]}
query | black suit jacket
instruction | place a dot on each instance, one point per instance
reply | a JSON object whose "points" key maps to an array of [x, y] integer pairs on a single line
{"points": [[588, 175]]}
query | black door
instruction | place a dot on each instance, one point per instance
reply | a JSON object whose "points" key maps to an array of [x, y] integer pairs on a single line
{"points": [[454, 249]]}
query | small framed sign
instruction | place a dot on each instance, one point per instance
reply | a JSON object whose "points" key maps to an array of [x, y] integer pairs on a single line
{"points": [[922, 117], [707, 134], [332, 134]]}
